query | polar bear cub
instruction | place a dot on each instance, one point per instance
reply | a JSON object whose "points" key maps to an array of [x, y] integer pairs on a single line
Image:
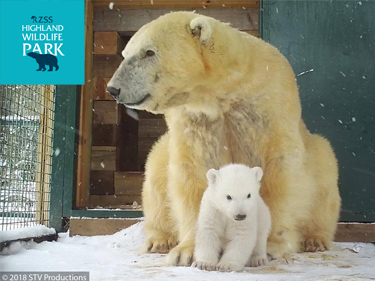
{"points": [[234, 222]]}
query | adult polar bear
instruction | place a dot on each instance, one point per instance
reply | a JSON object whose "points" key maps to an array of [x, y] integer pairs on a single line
{"points": [[227, 97]]}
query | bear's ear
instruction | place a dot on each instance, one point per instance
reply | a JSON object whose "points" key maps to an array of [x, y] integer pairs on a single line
{"points": [[201, 28], [212, 175], [258, 173]]}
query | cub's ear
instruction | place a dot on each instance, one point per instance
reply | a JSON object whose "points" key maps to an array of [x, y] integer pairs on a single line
{"points": [[212, 175], [258, 173], [201, 28]]}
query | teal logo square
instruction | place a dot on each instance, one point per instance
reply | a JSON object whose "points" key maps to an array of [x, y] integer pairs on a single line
{"points": [[42, 42]]}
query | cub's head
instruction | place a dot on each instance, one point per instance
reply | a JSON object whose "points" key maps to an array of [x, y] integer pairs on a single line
{"points": [[163, 63], [235, 189]]}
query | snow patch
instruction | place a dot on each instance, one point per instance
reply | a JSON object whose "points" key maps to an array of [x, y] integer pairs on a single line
{"points": [[304, 72], [27, 232]]}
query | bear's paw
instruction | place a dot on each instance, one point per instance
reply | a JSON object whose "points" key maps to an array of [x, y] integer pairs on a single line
{"points": [[203, 265], [315, 245], [160, 245], [258, 261], [225, 266], [181, 255]]}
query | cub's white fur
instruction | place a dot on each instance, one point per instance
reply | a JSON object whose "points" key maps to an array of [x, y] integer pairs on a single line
{"points": [[233, 220]]}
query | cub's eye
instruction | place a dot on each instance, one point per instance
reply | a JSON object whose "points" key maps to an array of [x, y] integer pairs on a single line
{"points": [[229, 198], [249, 195], [150, 53]]}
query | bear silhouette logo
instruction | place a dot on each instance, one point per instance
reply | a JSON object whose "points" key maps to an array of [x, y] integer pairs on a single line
{"points": [[44, 60]]}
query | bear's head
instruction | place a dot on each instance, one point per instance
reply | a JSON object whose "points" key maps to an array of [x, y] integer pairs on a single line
{"points": [[169, 62], [33, 54], [234, 189]]}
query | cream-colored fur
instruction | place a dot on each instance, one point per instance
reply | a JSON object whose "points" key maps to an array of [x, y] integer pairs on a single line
{"points": [[227, 97]]}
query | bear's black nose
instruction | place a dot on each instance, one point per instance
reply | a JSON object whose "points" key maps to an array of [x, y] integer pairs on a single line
{"points": [[113, 91], [240, 217]]}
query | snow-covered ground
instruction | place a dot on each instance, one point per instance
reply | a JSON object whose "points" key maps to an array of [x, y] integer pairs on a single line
{"points": [[116, 257]]}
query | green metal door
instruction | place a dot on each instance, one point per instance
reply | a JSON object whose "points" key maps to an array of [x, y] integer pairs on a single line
{"points": [[331, 47]]}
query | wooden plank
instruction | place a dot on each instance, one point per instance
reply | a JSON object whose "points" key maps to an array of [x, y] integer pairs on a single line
{"points": [[104, 148], [108, 43], [103, 158], [355, 232], [98, 66], [128, 140], [102, 183], [111, 64], [91, 227], [109, 226], [105, 112], [128, 183], [147, 115], [133, 20], [128, 152], [105, 66], [100, 86], [153, 128], [85, 114], [134, 4], [115, 202], [104, 134], [253, 32]]}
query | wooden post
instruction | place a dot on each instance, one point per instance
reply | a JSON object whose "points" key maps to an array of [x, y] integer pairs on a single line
{"points": [[84, 143], [44, 154]]}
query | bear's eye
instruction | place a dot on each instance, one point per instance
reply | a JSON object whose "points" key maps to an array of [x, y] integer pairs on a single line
{"points": [[150, 53], [249, 195], [229, 197]]}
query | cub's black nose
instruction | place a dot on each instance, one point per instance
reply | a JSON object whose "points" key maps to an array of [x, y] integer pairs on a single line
{"points": [[240, 217], [113, 91]]}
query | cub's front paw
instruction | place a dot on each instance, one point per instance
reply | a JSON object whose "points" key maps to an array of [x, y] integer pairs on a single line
{"points": [[258, 261], [203, 265], [229, 266]]}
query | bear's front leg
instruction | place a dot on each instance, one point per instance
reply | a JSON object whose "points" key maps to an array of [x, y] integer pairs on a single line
{"points": [[237, 252], [185, 190], [207, 250], [207, 242], [159, 228], [259, 255], [41, 66]]}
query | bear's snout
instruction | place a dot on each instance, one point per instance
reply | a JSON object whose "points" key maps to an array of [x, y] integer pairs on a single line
{"points": [[240, 217], [113, 91]]}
